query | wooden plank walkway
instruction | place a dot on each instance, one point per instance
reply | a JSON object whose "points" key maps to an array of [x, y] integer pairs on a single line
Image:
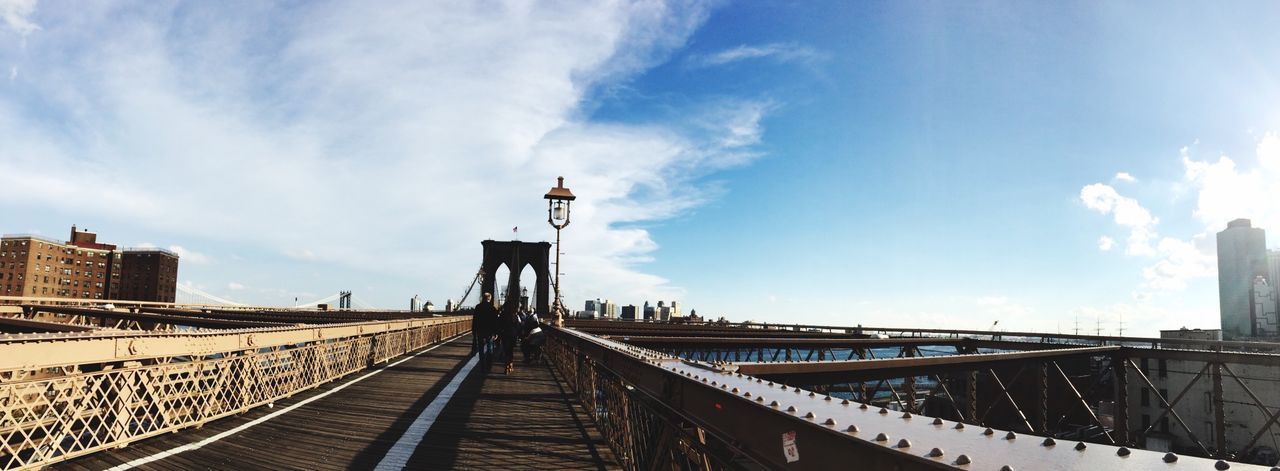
{"points": [[518, 421]]}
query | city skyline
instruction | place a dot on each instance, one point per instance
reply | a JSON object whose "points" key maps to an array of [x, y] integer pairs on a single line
{"points": [[827, 163]]}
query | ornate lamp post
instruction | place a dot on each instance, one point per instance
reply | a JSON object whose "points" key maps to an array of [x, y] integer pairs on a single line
{"points": [[558, 201]]}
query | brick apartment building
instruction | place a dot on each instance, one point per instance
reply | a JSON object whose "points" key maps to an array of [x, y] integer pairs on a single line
{"points": [[149, 274], [83, 268]]}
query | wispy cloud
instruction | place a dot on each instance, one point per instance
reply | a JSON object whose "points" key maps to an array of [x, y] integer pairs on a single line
{"points": [[383, 140], [16, 15], [1106, 243], [1124, 177], [190, 256], [778, 52], [1222, 191], [1127, 212]]}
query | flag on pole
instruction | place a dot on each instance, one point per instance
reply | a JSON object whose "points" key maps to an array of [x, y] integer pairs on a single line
{"points": [[514, 229]]}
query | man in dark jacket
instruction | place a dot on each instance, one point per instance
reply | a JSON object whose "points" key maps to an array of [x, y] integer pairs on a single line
{"points": [[483, 320]]}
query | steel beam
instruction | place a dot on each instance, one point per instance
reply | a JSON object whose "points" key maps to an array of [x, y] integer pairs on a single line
{"points": [[34, 351], [201, 322], [833, 372], [16, 325]]}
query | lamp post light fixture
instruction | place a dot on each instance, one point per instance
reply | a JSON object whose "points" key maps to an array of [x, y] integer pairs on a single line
{"points": [[558, 201]]}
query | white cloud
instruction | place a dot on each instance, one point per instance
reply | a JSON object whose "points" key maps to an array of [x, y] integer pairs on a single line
{"points": [[1225, 192], [16, 15], [1127, 212], [189, 256], [1181, 261], [781, 52], [1222, 192], [233, 286], [1124, 177], [383, 139], [1106, 243], [1269, 152]]}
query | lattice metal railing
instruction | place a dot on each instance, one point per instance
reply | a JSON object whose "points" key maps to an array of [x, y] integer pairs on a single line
{"points": [[50, 414], [643, 432]]}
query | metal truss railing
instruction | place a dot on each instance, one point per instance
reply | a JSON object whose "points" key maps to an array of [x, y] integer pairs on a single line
{"points": [[643, 432], [754, 414], [69, 394]]}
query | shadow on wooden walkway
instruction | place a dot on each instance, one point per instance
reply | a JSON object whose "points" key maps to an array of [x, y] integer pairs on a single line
{"points": [[494, 421]]}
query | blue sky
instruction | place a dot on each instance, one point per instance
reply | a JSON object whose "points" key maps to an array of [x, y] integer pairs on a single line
{"points": [[903, 163]]}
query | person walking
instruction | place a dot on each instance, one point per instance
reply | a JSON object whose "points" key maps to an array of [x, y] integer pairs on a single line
{"points": [[508, 326], [483, 319]]}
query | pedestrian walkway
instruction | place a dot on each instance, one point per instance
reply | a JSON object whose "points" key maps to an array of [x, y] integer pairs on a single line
{"points": [[520, 421]]}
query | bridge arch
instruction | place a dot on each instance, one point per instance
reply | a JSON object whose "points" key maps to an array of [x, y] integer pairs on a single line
{"points": [[517, 255]]}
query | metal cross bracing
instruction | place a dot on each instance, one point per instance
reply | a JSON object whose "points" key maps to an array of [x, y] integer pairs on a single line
{"points": [[1048, 388], [66, 394], [658, 411]]}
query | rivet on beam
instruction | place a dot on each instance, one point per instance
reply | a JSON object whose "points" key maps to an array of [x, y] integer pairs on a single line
{"points": [[1122, 451], [1170, 458], [881, 437], [937, 421], [963, 460], [830, 422], [935, 453], [904, 443], [959, 426], [1221, 465], [809, 415], [852, 429], [1048, 442], [1081, 446], [988, 431], [906, 415], [883, 411], [1010, 436]]}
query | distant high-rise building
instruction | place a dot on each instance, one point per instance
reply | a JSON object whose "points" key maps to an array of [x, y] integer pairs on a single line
{"points": [[675, 309], [1242, 257], [662, 312], [1273, 273], [649, 312], [1263, 309], [608, 310], [629, 312], [593, 306]]}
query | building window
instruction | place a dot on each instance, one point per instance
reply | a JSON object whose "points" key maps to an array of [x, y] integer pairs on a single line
{"points": [[1164, 393], [1145, 366], [1164, 368], [1146, 421], [1146, 397]]}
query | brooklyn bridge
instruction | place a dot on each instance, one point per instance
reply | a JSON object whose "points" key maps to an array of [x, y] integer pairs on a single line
{"points": [[182, 386]]}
